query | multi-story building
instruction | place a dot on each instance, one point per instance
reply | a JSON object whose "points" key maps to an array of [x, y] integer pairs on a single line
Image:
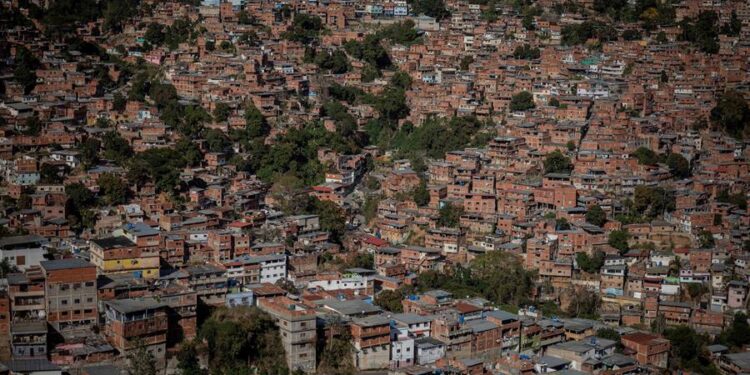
{"points": [[372, 342], [4, 325], [29, 339], [209, 282], [130, 323], [71, 292], [28, 329], [257, 269], [298, 331], [26, 291], [650, 350], [402, 347], [23, 252], [120, 255]]}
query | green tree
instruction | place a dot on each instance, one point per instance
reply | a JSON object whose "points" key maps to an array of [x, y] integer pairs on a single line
{"points": [[400, 33], [113, 188], [498, 276], [646, 156], [336, 357], [370, 50], [116, 148], [580, 33], [216, 141], [596, 216], [5, 266], [619, 240], [187, 359], [556, 162], [678, 165], [243, 18], [390, 300], [661, 37], [562, 224], [141, 361], [361, 260], [689, 350], [331, 216], [609, 334], [243, 340], [528, 22], [652, 201], [117, 12], [738, 333], [401, 80], [522, 101], [584, 303], [421, 195], [431, 8], [706, 239], [370, 73], [161, 165], [304, 29], [703, 31], [89, 151], [50, 174], [25, 68], [255, 123], [739, 199], [734, 26], [154, 34], [631, 34], [392, 104], [32, 126], [79, 195], [732, 114], [119, 102], [221, 112], [588, 263], [370, 207], [526, 52], [450, 216], [466, 62]]}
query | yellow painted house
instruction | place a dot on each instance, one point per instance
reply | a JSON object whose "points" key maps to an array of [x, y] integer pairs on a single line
{"points": [[120, 255]]}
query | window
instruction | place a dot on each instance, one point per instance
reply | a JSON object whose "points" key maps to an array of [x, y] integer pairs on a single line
{"points": [[21, 260]]}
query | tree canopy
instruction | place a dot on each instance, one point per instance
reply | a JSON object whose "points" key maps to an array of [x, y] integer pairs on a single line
{"points": [[522, 101], [432, 8], [556, 162], [732, 114], [619, 240], [390, 300], [305, 28], [243, 340], [596, 215], [498, 276]]}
